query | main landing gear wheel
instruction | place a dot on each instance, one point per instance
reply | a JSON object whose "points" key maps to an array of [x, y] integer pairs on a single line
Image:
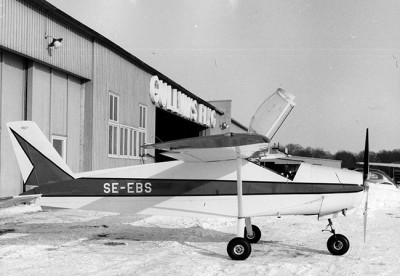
{"points": [[338, 244], [256, 234], [239, 249]]}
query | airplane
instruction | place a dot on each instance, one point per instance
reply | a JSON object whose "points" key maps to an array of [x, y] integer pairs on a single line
{"points": [[381, 177], [390, 165], [211, 176]]}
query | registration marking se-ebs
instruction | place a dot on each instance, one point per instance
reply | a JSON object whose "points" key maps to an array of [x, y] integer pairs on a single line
{"points": [[130, 188]]}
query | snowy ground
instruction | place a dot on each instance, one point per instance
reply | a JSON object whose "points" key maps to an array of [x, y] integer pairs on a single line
{"points": [[73, 242]]}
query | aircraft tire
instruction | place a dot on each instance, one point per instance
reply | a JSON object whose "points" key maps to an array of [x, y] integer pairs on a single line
{"points": [[256, 234], [338, 245], [239, 249]]}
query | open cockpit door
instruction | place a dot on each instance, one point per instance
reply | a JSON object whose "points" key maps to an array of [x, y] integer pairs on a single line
{"points": [[272, 113]]}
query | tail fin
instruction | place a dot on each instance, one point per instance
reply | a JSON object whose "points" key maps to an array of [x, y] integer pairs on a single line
{"points": [[38, 161]]}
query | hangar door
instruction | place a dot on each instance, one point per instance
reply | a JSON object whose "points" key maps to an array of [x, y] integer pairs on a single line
{"points": [[12, 90], [173, 127], [52, 99]]}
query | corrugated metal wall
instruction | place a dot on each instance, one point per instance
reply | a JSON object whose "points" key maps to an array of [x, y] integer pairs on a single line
{"points": [[132, 85], [100, 66], [23, 29]]}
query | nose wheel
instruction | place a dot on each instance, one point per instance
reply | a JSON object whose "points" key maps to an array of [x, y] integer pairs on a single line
{"points": [[337, 244]]}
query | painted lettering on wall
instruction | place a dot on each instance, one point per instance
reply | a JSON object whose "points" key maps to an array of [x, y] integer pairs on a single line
{"points": [[168, 98]]}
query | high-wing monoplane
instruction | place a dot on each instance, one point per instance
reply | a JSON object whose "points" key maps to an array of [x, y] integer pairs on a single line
{"points": [[211, 176]]}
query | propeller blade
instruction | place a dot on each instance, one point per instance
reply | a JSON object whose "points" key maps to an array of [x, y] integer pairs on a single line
{"points": [[366, 157], [366, 189], [366, 183]]}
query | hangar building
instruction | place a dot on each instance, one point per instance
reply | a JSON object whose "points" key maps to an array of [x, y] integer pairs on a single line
{"points": [[96, 102]]}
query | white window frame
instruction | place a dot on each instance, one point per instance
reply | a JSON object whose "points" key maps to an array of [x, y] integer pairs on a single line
{"points": [[142, 132], [63, 140], [142, 116], [114, 138], [128, 140], [135, 143], [133, 137], [113, 122], [125, 138], [111, 116]]}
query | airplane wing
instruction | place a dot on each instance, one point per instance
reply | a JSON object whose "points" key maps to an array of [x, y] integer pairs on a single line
{"points": [[9, 201], [391, 165], [264, 124], [284, 158], [215, 147]]}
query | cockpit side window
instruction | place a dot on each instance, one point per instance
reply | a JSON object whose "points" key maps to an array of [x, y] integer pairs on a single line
{"points": [[286, 170]]}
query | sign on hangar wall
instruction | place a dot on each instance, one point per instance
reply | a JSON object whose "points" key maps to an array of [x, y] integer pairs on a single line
{"points": [[172, 100]]}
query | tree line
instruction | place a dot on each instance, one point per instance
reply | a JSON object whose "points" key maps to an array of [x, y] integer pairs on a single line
{"points": [[349, 159]]}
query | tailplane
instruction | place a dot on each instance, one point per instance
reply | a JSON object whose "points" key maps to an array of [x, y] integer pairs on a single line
{"points": [[38, 161]]}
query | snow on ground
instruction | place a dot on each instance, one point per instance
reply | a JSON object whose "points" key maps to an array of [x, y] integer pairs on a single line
{"points": [[75, 242]]}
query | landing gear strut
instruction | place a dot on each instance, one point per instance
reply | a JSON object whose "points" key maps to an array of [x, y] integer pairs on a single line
{"points": [[337, 244]]}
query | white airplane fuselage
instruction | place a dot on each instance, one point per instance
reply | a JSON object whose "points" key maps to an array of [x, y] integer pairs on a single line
{"points": [[208, 189]]}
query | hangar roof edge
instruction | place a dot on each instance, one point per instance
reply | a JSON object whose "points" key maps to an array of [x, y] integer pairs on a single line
{"points": [[68, 20]]}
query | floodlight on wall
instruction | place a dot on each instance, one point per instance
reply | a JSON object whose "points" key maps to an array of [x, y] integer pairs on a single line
{"points": [[55, 43], [224, 125]]}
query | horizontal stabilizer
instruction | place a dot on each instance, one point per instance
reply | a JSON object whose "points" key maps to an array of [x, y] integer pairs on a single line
{"points": [[17, 200]]}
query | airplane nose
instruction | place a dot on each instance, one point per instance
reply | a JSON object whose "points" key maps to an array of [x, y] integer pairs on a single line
{"points": [[350, 177]]}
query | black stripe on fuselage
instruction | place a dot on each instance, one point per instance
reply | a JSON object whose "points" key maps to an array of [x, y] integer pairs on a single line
{"points": [[184, 187]]}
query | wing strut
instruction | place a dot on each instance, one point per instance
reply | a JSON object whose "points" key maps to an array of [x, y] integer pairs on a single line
{"points": [[239, 248], [241, 219]]}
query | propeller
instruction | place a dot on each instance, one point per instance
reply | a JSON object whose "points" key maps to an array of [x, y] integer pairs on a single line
{"points": [[366, 183]]}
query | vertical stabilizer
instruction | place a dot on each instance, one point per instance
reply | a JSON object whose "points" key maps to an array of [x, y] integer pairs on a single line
{"points": [[38, 161]]}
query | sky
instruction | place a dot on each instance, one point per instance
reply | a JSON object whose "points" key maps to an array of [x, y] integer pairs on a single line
{"points": [[341, 59]]}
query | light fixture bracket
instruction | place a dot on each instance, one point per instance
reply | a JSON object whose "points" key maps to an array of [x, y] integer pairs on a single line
{"points": [[56, 42]]}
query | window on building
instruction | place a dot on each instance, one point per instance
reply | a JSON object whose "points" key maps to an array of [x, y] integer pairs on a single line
{"points": [[125, 141], [112, 139], [142, 141], [142, 116], [113, 133], [142, 128], [60, 145], [134, 143], [114, 107]]}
